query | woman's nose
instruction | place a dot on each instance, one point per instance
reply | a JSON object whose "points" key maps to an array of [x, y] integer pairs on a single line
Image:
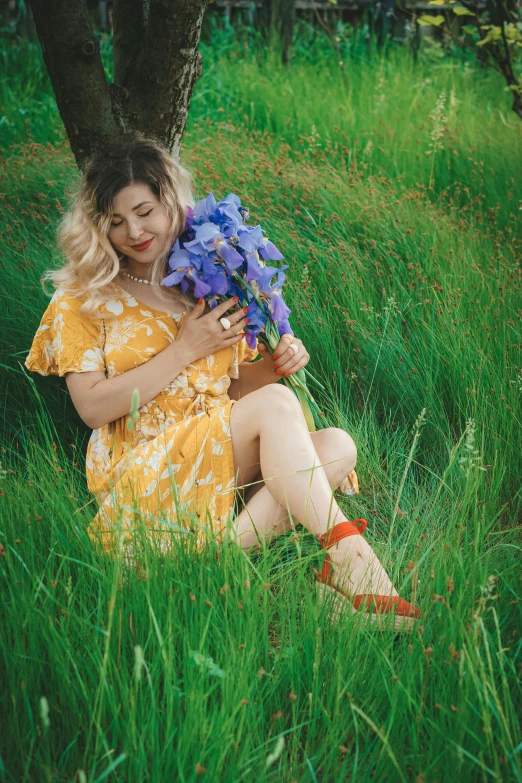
{"points": [[134, 231]]}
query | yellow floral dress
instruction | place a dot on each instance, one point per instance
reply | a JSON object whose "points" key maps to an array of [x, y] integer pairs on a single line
{"points": [[178, 459]]}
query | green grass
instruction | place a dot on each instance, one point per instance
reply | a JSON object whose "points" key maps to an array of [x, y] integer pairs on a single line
{"points": [[408, 299]]}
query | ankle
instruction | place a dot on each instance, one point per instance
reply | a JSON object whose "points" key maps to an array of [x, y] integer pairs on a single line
{"points": [[339, 532], [347, 550]]}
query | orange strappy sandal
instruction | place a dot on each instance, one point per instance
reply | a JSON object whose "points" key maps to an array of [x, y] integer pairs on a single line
{"points": [[404, 614]]}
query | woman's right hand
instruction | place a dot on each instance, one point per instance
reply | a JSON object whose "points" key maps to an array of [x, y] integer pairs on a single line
{"points": [[203, 335]]}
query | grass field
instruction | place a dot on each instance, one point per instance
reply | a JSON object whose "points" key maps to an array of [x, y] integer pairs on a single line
{"points": [[397, 206]]}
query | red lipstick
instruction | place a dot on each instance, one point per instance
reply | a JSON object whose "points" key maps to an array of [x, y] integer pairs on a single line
{"points": [[144, 245]]}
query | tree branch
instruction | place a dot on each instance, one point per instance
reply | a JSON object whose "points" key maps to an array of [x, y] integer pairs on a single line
{"points": [[331, 38], [129, 24], [168, 68]]}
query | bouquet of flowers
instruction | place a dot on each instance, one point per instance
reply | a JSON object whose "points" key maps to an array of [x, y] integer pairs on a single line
{"points": [[219, 256]]}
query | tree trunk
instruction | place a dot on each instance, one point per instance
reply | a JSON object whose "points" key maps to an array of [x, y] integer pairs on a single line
{"points": [[500, 13], [156, 64]]}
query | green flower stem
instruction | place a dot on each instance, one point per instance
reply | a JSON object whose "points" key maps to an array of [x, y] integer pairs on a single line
{"points": [[312, 378], [297, 381]]}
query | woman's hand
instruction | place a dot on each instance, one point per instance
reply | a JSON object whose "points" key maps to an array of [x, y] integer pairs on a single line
{"points": [[202, 335], [286, 360]]}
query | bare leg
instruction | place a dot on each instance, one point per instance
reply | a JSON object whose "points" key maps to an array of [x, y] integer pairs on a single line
{"points": [[268, 429], [264, 517]]}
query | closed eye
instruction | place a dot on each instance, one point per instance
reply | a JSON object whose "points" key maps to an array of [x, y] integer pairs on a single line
{"points": [[145, 215]]}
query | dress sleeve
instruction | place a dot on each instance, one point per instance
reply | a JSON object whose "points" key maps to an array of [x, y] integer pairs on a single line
{"points": [[241, 353], [66, 340]]}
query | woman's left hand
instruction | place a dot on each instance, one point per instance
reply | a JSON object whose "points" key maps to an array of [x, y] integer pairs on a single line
{"points": [[287, 361]]}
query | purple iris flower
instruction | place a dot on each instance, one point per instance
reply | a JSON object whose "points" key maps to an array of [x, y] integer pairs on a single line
{"points": [[254, 269], [269, 251], [179, 262], [218, 255], [200, 287], [279, 308], [235, 290], [257, 318], [250, 237], [230, 199], [209, 237], [218, 282], [190, 219], [231, 217], [204, 209], [284, 327], [267, 273]]}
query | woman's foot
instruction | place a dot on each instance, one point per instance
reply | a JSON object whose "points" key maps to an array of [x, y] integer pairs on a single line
{"points": [[357, 569], [355, 579]]}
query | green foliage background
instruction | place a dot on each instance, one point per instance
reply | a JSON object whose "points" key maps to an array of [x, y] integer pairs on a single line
{"points": [[401, 227]]}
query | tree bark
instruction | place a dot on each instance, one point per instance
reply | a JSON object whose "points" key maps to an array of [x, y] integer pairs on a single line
{"points": [[129, 23], [156, 64], [167, 69]]}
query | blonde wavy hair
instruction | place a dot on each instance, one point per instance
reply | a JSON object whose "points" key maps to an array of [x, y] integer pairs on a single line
{"points": [[82, 234]]}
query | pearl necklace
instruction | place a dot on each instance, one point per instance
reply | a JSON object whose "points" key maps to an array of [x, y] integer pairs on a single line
{"points": [[147, 282], [137, 279]]}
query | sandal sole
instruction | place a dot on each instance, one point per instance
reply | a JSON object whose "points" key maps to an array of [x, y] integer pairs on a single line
{"points": [[379, 621]]}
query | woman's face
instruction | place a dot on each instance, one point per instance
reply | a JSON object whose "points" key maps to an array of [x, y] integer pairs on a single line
{"points": [[140, 225]]}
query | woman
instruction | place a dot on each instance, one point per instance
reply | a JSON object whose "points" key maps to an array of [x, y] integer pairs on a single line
{"points": [[204, 427]]}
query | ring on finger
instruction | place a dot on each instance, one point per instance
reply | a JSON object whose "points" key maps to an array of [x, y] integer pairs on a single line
{"points": [[225, 323], [294, 348]]}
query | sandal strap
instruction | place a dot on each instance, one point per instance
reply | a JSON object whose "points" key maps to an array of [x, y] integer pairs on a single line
{"points": [[337, 533], [383, 604], [342, 530]]}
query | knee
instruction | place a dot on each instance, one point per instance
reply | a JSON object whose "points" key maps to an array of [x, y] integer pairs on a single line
{"points": [[279, 399], [342, 446]]}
